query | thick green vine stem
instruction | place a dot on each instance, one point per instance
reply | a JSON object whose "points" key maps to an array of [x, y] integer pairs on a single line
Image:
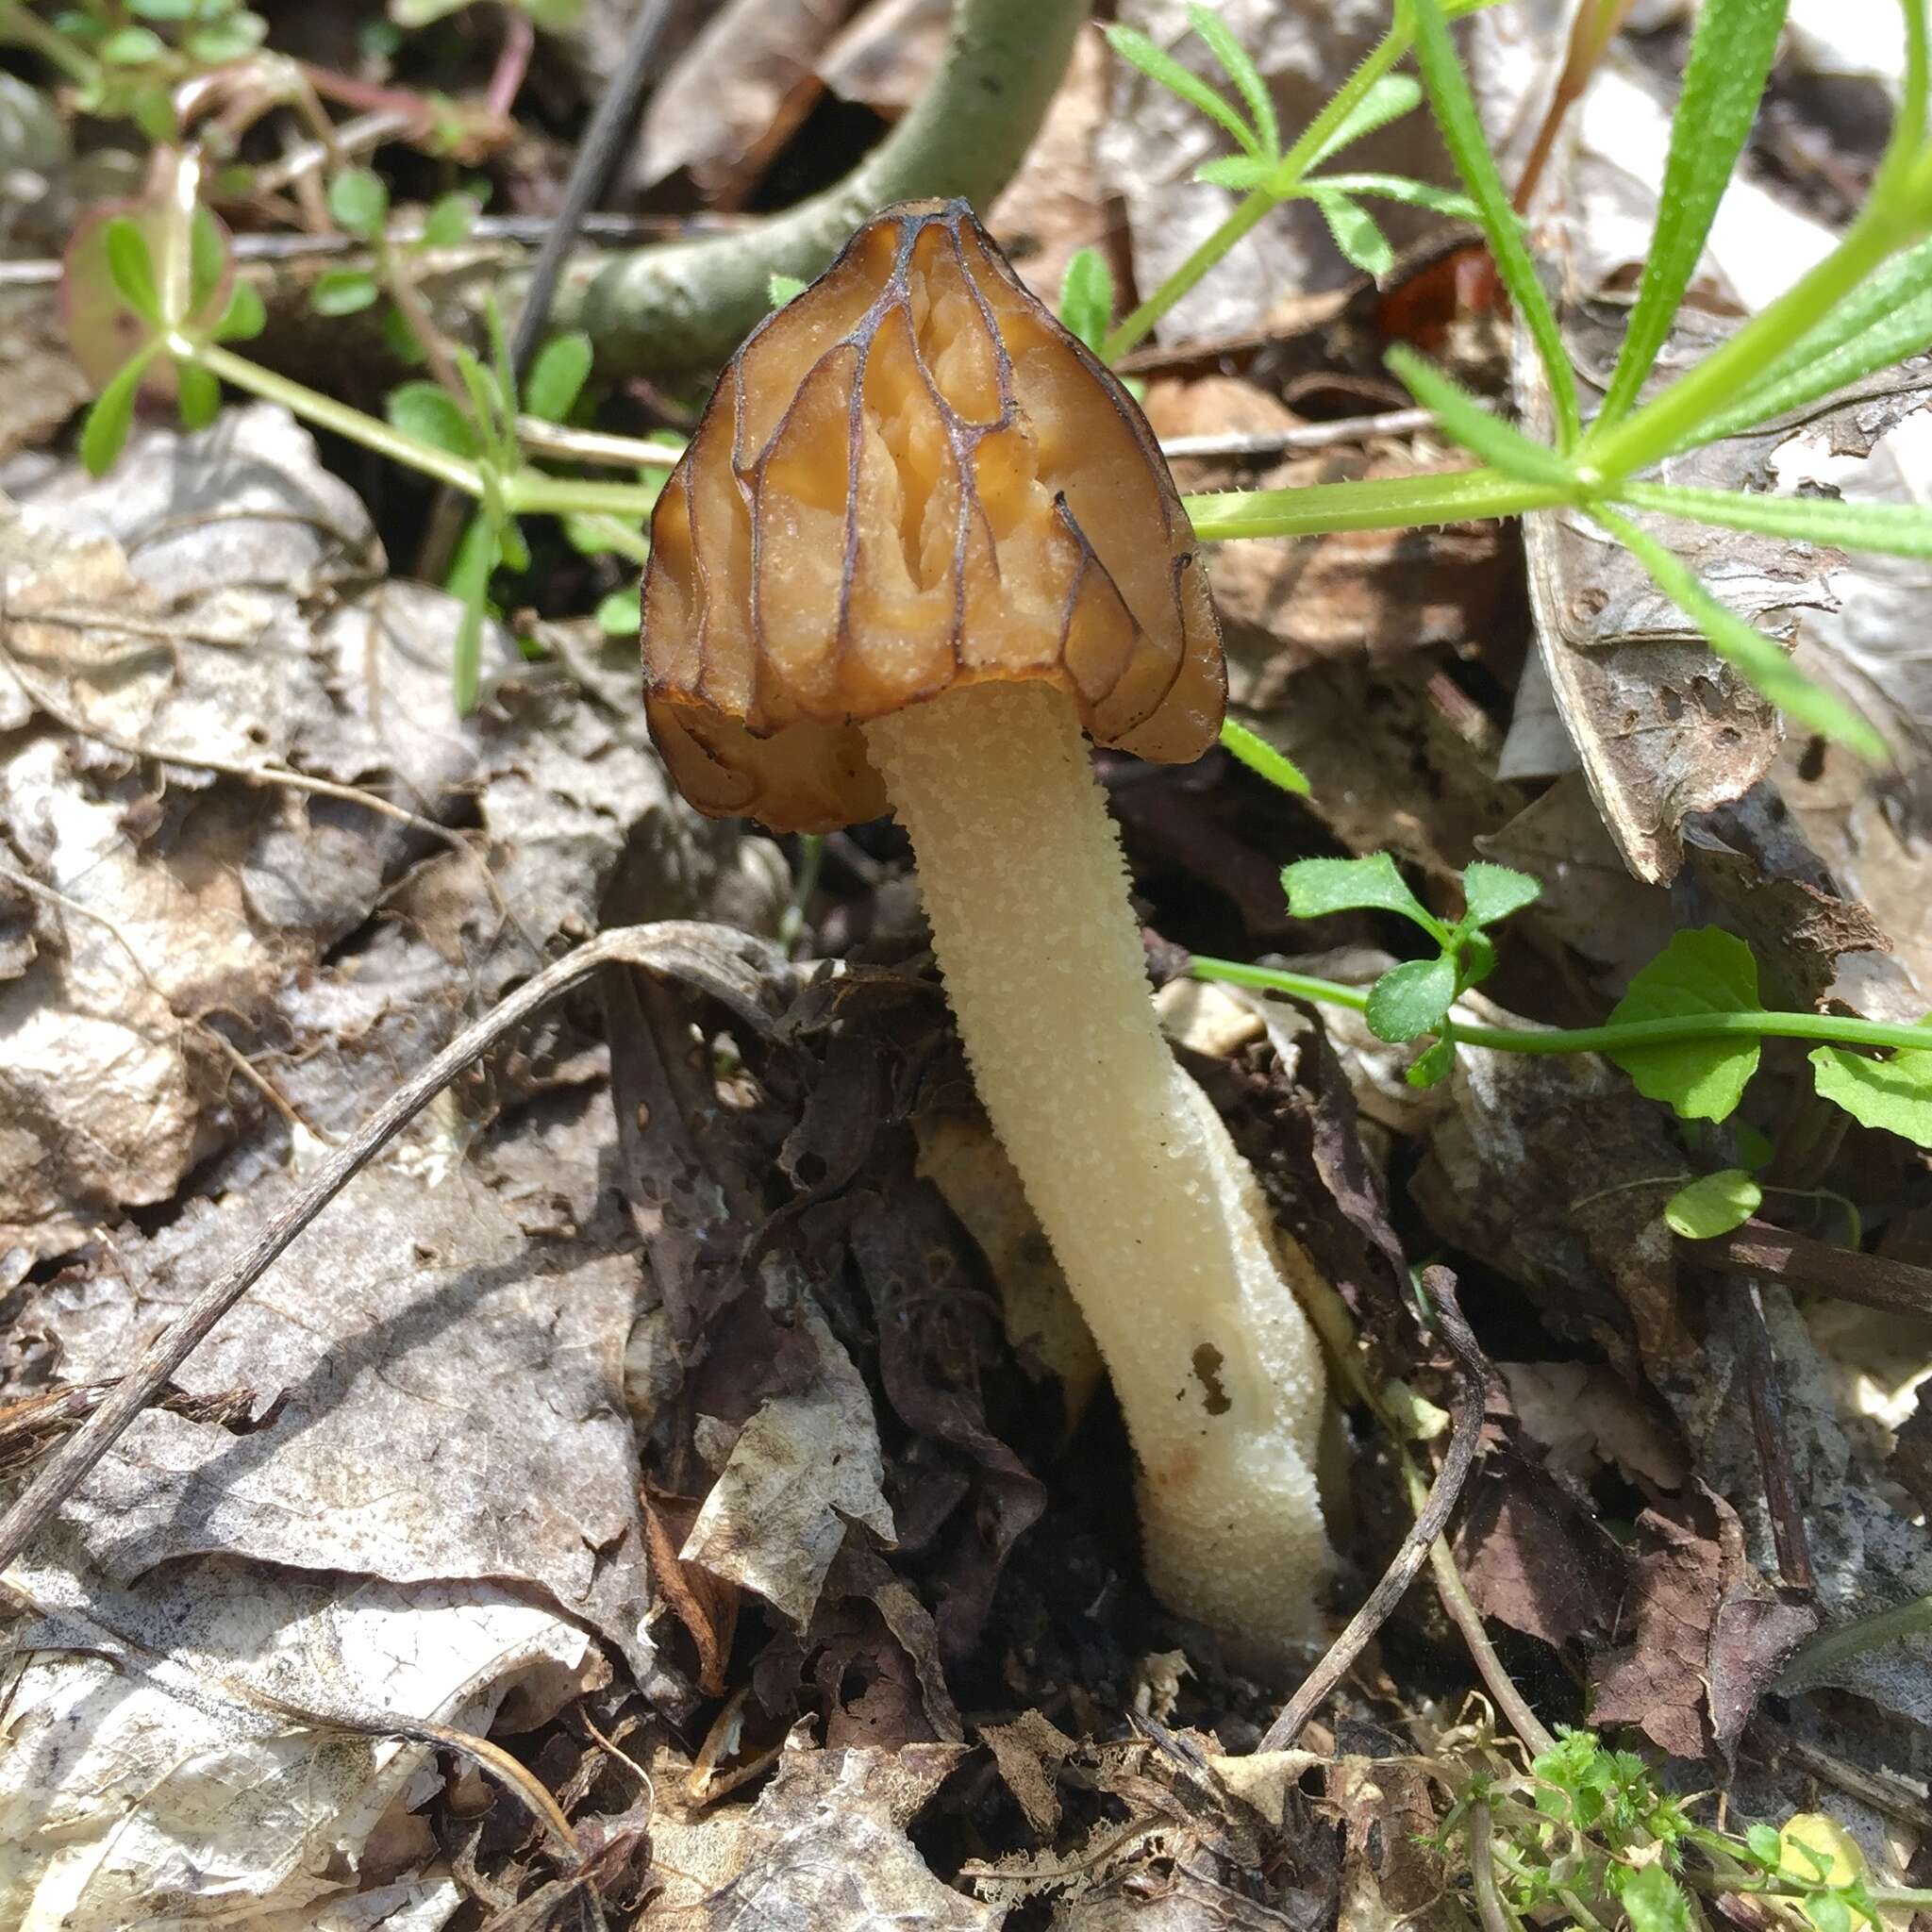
{"points": [[684, 307]]}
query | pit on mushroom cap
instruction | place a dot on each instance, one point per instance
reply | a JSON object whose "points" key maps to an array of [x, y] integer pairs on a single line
{"points": [[921, 543]]}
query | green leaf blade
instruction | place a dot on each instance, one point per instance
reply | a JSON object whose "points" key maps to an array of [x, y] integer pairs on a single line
{"points": [[1318, 886], [343, 291], [1491, 893], [1239, 69], [1411, 999], [1262, 758], [1731, 52], [1160, 66], [1894, 1095], [1701, 971], [1763, 663], [1500, 444], [360, 202], [1392, 96], [1712, 1205], [429, 413], [1455, 115], [132, 268], [1355, 232], [1086, 306], [104, 434], [1892, 529], [558, 375]]}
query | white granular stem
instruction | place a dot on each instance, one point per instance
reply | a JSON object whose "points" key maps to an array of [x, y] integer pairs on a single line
{"points": [[1156, 1222]]}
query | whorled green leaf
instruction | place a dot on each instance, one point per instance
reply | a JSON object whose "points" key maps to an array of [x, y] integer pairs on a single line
{"points": [[132, 269], [1895, 1093], [558, 374], [359, 200], [1462, 134], [619, 614], [449, 224], [1160, 66], [1243, 173], [1492, 892], [1763, 663], [1885, 319], [1239, 69], [1731, 52], [1891, 529], [131, 46], [115, 280], [105, 432], [1392, 96], [1400, 188], [1411, 999], [245, 316], [1500, 444], [1086, 306], [1261, 757], [197, 395], [1702, 972], [1432, 1068], [1357, 235], [1317, 886], [1712, 1205]]}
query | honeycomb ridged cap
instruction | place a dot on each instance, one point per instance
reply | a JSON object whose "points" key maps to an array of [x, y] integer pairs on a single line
{"points": [[910, 478]]}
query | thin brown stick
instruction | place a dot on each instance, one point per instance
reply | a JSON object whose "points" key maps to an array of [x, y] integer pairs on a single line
{"points": [[1465, 1430], [1774, 1445], [716, 959], [1798, 1261], [1501, 1685]]}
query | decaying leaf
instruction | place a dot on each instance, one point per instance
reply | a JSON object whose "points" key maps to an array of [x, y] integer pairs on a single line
{"points": [[823, 1850], [1706, 1634], [170, 1751]]}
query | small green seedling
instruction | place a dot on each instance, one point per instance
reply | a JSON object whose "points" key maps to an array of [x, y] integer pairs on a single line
{"points": [[1414, 998]]}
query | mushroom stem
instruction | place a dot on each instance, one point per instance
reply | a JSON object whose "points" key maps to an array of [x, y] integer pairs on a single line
{"points": [[1156, 1222]]}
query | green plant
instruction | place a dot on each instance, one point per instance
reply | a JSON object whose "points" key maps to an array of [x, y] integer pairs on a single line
{"points": [[1689, 1032], [1587, 1837], [1866, 305]]}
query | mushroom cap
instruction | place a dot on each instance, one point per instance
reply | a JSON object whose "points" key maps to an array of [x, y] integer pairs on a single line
{"points": [[909, 478]]}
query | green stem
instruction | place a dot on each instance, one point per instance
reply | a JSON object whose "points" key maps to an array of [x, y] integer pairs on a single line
{"points": [[1831, 1648], [527, 492], [1670, 420], [1389, 503], [22, 26], [531, 492], [1616, 1037], [1254, 206], [1247, 211], [311, 405]]}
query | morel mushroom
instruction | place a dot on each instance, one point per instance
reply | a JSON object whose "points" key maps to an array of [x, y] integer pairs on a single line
{"points": [[921, 542]]}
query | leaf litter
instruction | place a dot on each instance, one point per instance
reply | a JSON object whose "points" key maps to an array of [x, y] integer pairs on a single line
{"points": [[685, 1410]]}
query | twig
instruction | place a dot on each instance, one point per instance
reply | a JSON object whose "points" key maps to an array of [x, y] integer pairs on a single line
{"points": [[595, 446], [675, 309], [1774, 1448], [721, 962], [1424, 1531], [1499, 1683], [1798, 1261], [1269, 442], [591, 170]]}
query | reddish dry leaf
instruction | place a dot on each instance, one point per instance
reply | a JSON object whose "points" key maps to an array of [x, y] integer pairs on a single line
{"points": [[1707, 1633], [705, 1605]]}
